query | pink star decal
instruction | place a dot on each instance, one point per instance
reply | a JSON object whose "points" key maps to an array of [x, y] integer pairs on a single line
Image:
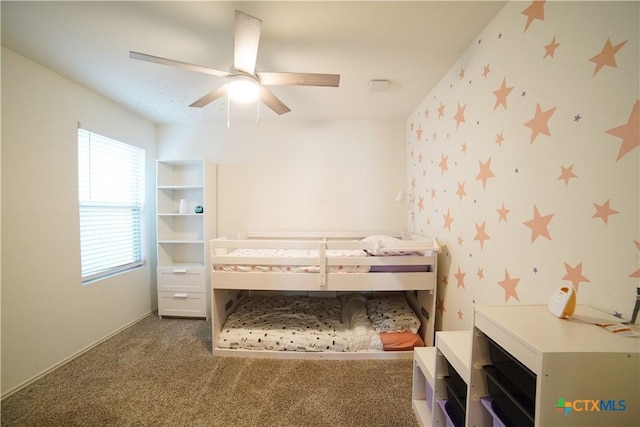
{"points": [[607, 56], [460, 240], [441, 110], [411, 125], [461, 74], [481, 234], [420, 203], [486, 70], [464, 148], [509, 286], [443, 164], [459, 117], [433, 193], [567, 174], [574, 275], [538, 124], [426, 113], [460, 278], [629, 132], [550, 49], [539, 225], [604, 211], [461, 191], [485, 172], [419, 133], [501, 94], [420, 157], [480, 273], [448, 219], [440, 305], [499, 138], [502, 213], [534, 11], [460, 314]]}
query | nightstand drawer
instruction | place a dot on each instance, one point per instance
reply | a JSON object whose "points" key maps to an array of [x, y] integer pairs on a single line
{"points": [[184, 304], [181, 279]]}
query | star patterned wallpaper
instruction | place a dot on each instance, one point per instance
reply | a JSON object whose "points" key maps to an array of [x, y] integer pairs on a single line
{"points": [[525, 165]]}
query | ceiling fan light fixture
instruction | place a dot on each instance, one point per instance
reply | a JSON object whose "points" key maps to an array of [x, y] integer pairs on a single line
{"points": [[243, 88]]}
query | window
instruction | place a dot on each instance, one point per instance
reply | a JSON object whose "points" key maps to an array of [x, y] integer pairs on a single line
{"points": [[111, 195]]}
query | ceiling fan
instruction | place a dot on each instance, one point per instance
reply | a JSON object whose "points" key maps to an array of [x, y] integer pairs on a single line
{"points": [[245, 83]]}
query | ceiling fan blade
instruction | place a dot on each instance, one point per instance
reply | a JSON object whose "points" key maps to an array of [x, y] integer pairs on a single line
{"points": [[174, 63], [210, 97], [246, 40], [271, 101], [298, 79]]}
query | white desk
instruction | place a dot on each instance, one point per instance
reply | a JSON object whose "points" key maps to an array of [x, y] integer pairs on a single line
{"points": [[573, 360]]}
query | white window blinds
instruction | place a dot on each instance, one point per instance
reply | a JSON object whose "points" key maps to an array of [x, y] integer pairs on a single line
{"points": [[111, 196]]}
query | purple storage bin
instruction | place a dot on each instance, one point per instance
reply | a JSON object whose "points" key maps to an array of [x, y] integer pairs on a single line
{"points": [[487, 403], [443, 404], [429, 395]]}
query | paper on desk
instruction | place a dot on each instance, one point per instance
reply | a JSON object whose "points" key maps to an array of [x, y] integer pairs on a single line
{"points": [[619, 329]]}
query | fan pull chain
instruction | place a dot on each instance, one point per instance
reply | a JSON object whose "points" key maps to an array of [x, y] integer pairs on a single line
{"points": [[228, 111], [258, 115]]}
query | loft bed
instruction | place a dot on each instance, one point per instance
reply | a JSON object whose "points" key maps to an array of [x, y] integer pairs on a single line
{"points": [[336, 285]]}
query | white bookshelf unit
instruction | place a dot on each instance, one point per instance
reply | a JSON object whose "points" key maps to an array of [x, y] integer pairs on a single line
{"points": [[183, 235], [535, 368]]}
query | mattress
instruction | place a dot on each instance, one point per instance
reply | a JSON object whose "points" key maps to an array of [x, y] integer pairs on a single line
{"points": [[311, 254], [314, 324]]}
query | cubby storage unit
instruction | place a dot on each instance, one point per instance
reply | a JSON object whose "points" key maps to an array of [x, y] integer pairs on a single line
{"points": [[452, 377], [544, 371], [440, 378], [522, 366], [183, 235], [424, 367]]}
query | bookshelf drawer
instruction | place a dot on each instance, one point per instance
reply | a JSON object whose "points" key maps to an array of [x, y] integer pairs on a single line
{"points": [[187, 279], [182, 304]]}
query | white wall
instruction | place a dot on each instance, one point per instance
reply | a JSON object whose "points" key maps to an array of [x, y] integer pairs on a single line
{"points": [[47, 314], [288, 175], [275, 175]]}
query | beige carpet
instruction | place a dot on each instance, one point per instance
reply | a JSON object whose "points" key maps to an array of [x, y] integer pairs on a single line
{"points": [[162, 372]]}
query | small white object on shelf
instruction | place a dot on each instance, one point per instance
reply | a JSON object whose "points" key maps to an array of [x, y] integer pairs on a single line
{"points": [[183, 209]]}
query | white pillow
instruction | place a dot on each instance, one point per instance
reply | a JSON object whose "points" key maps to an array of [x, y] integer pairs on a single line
{"points": [[378, 239], [392, 314]]}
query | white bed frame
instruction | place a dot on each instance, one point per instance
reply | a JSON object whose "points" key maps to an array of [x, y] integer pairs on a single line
{"points": [[229, 287]]}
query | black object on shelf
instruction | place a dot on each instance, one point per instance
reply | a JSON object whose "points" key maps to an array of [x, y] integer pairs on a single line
{"points": [[456, 390], [508, 400], [456, 417], [513, 369]]}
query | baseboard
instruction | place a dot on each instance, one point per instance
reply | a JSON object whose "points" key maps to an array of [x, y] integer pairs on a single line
{"points": [[73, 356]]}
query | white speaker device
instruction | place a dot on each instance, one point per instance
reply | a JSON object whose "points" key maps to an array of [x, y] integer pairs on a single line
{"points": [[563, 302]]}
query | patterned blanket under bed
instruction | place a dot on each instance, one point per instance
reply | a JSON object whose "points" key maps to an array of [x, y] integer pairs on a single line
{"points": [[286, 323], [300, 323]]}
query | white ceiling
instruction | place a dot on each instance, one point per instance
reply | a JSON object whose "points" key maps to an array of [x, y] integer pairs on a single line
{"points": [[412, 44]]}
